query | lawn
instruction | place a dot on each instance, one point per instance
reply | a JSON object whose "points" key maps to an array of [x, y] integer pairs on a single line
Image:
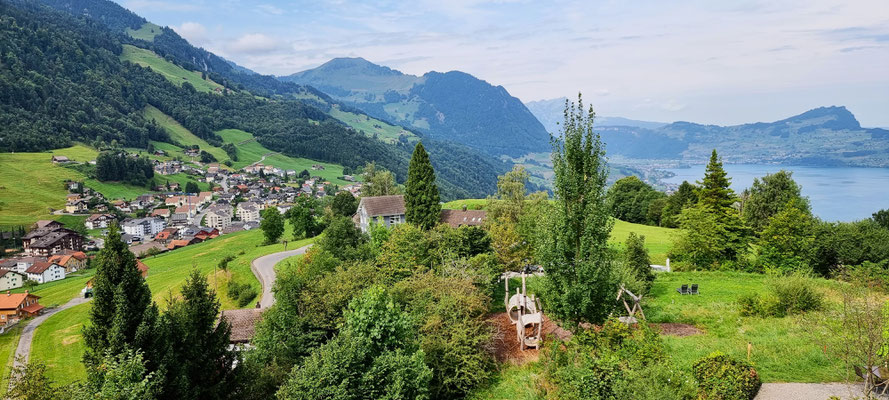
{"points": [[8, 343], [115, 190], [78, 152], [31, 185], [471, 204], [58, 343], [180, 134], [658, 241], [783, 350], [146, 32], [172, 72], [249, 150], [512, 382], [166, 274]]}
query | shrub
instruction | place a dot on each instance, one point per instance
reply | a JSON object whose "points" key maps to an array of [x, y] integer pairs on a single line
{"points": [[655, 382], [246, 296], [720, 377], [234, 289], [792, 294], [223, 263]]}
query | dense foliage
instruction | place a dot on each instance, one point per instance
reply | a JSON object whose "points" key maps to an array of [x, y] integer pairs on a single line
{"points": [[630, 200], [119, 166], [272, 224], [579, 284], [721, 377]]}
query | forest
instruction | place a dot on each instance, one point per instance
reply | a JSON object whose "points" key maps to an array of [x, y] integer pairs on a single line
{"points": [[62, 82]]}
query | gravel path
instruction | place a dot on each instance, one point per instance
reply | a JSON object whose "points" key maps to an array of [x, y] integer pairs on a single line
{"points": [[23, 351], [807, 391], [264, 269]]}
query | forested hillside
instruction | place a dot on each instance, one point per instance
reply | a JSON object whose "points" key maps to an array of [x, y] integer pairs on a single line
{"points": [[453, 106], [62, 81]]}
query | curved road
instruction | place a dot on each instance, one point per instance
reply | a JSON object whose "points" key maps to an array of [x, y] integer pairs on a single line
{"points": [[23, 351], [264, 269]]}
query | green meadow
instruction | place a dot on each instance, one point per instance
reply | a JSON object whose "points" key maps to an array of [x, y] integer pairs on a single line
{"points": [[174, 73], [146, 32]]}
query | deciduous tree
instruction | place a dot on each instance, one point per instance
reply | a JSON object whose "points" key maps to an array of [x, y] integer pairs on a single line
{"points": [[272, 225]]}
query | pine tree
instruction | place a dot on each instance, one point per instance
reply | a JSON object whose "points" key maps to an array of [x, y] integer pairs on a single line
{"points": [[580, 283], [714, 191], [421, 195], [123, 315], [202, 366]]}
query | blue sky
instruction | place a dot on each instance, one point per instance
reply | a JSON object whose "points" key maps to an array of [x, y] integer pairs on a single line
{"points": [[723, 62]]}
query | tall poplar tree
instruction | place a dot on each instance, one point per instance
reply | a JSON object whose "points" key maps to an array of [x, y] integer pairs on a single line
{"points": [[421, 198], [580, 283], [123, 315]]}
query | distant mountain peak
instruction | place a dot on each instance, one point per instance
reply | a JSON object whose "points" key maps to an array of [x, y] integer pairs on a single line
{"points": [[355, 65], [834, 117]]}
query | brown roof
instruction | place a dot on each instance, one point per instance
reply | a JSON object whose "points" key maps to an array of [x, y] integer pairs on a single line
{"points": [[32, 309], [243, 323], [383, 205], [11, 301], [456, 218], [47, 222], [142, 267], [39, 267]]}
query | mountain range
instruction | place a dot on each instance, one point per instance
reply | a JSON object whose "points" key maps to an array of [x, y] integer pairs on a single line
{"points": [[825, 136], [453, 105]]}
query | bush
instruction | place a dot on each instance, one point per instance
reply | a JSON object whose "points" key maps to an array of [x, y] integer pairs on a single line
{"points": [[792, 294], [246, 296], [655, 382], [720, 377], [223, 263]]}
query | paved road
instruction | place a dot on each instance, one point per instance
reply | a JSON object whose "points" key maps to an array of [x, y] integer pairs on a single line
{"points": [[264, 269], [806, 391], [23, 351]]}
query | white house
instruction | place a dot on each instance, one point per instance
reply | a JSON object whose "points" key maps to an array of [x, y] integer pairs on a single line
{"points": [[248, 212], [98, 221], [144, 227], [219, 216], [11, 279], [388, 209], [45, 271]]}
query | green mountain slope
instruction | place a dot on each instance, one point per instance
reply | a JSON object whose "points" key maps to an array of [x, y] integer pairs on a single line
{"points": [[451, 106], [97, 97]]}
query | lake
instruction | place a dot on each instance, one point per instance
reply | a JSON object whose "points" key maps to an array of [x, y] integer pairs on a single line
{"points": [[836, 194]]}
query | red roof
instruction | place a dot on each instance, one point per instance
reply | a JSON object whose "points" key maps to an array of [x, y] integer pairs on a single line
{"points": [[32, 309], [12, 301]]}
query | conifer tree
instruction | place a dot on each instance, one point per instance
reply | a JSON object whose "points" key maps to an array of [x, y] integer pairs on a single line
{"points": [[200, 364], [714, 191], [123, 315], [580, 282], [421, 195]]}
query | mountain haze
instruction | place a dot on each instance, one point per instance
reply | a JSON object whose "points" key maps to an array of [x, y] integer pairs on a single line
{"points": [[452, 106]]}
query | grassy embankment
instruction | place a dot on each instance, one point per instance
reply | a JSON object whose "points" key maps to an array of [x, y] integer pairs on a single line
{"points": [[172, 72], [62, 351], [146, 32]]}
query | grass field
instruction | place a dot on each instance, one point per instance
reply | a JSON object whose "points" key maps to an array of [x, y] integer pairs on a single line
{"points": [[8, 343], [30, 184], [59, 292], [58, 341], [146, 32], [371, 126], [180, 134], [783, 350], [172, 72]]}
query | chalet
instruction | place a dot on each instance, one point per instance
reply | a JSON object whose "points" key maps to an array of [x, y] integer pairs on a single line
{"points": [[317, 167], [48, 224], [45, 242], [219, 216], [144, 227], [144, 249], [464, 217], [349, 178], [98, 221], [205, 234], [76, 206], [387, 209], [14, 306], [192, 152], [70, 260], [11, 279], [185, 241], [60, 160], [45, 271], [248, 212]]}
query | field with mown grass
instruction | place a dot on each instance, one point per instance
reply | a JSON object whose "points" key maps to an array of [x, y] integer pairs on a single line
{"points": [[31, 185], [174, 73], [181, 135], [167, 273], [371, 126]]}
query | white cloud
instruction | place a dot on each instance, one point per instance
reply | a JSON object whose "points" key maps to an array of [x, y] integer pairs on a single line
{"points": [[270, 9], [194, 32], [253, 43]]}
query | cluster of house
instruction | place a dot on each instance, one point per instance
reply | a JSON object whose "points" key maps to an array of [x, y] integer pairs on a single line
{"points": [[79, 198], [50, 252]]}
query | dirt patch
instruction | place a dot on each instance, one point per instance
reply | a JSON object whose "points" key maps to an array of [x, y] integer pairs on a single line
{"points": [[680, 330], [506, 342]]}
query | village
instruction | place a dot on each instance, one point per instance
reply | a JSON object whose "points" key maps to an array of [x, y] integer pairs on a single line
{"points": [[166, 219]]}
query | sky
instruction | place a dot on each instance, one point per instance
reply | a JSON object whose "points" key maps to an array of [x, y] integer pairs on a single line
{"points": [[723, 62]]}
